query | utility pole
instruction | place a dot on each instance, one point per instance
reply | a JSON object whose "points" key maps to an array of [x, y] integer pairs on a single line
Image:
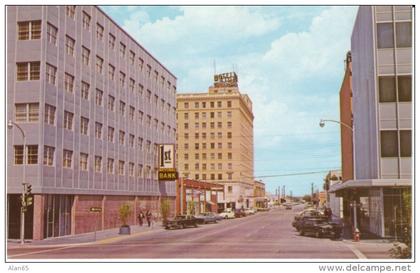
{"points": [[284, 191], [312, 193]]}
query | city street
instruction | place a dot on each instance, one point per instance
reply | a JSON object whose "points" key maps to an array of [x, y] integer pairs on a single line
{"points": [[266, 235]]}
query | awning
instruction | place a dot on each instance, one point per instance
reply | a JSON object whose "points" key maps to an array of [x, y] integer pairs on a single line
{"points": [[369, 183]]}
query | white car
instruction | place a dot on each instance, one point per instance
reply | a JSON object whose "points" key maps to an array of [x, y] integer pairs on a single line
{"points": [[249, 211], [227, 214]]}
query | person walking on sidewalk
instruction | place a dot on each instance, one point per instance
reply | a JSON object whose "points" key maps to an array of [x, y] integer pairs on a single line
{"points": [[148, 217], [140, 216]]}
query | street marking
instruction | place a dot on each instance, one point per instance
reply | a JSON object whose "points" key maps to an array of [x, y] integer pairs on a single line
{"points": [[39, 252], [356, 252]]}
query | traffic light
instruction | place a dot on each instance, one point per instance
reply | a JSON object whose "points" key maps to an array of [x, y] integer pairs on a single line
{"points": [[28, 189], [29, 200]]}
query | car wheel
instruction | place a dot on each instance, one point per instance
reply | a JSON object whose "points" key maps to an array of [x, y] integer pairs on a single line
{"points": [[226, 217], [182, 226], [301, 233], [318, 234]]}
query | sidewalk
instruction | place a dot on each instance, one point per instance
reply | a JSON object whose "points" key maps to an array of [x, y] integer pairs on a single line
{"points": [[84, 238]]}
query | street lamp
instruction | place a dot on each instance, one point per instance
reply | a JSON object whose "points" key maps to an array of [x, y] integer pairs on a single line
{"points": [[322, 124], [10, 125]]}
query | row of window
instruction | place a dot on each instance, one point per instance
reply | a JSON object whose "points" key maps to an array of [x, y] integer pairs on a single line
{"points": [[385, 35], [210, 114], [212, 156], [29, 112], [31, 30], [211, 125], [49, 155], [204, 104], [204, 156], [31, 70], [204, 166], [392, 89], [212, 145], [212, 135], [210, 177]]}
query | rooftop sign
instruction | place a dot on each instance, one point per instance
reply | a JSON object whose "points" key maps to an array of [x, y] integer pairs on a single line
{"points": [[226, 80]]}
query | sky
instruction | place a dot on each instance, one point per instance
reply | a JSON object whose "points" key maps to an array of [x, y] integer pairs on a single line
{"points": [[289, 60]]}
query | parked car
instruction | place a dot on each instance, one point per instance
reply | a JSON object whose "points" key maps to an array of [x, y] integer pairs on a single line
{"points": [[239, 213], [208, 217], [288, 206], [263, 209], [320, 227], [182, 221], [300, 217], [249, 211], [227, 214]]}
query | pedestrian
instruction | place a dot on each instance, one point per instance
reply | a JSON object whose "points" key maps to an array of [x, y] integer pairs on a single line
{"points": [[148, 217], [140, 216]]}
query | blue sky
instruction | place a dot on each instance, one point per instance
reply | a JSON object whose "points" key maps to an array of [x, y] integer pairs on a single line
{"points": [[289, 60]]}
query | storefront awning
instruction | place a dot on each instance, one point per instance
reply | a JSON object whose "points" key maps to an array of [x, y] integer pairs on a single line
{"points": [[369, 183]]}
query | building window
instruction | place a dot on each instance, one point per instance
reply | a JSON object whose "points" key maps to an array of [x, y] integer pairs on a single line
{"points": [[229, 114], [111, 72], [185, 146], [67, 158], [99, 96], [219, 104], [51, 73], [121, 167], [18, 154], [122, 50], [140, 143], [219, 145], [131, 85], [131, 141], [404, 88], [219, 135], [85, 90], [28, 71], [203, 125], [84, 161], [204, 115], [86, 20], [204, 176], [122, 137], [27, 112], [52, 34], [132, 57], [229, 155], [131, 113], [32, 154], [387, 89], [230, 166], [389, 144], [110, 165], [229, 103], [110, 134], [70, 45], [405, 143], [68, 82], [148, 70], [212, 176], [70, 11], [30, 30], [131, 169], [141, 63], [219, 176], [84, 125], [122, 108], [99, 32], [229, 135], [230, 145], [49, 114], [49, 155], [99, 64], [98, 130], [204, 156], [403, 34], [68, 120], [111, 103], [196, 105], [219, 156], [98, 164], [122, 79], [212, 104], [219, 114], [85, 55], [111, 41], [385, 35]]}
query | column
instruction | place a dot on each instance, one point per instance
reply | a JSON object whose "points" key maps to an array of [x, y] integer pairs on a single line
{"points": [[38, 221], [73, 214]]}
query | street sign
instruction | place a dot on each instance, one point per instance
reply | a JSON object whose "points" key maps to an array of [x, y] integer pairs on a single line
{"points": [[95, 209], [166, 156]]}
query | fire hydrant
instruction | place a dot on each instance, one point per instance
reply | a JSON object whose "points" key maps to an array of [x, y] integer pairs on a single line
{"points": [[356, 235]]}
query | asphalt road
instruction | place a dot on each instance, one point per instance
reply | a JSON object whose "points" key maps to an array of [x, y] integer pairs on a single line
{"points": [[266, 235]]}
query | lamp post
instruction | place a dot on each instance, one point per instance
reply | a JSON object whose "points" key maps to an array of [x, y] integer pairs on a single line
{"points": [[354, 204], [10, 125]]}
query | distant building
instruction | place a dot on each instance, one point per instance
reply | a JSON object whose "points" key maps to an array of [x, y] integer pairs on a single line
{"points": [[334, 202], [377, 197], [215, 139], [259, 199], [94, 105]]}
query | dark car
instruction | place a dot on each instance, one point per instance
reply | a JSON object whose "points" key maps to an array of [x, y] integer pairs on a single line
{"points": [[207, 217], [240, 213], [299, 218], [182, 221], [320, 227]]}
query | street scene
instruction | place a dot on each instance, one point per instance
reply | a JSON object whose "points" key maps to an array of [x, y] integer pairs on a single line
{"points": [[209, 133]]}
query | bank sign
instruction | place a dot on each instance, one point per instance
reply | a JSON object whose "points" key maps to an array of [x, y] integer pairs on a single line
{"points": [[167, 169]]}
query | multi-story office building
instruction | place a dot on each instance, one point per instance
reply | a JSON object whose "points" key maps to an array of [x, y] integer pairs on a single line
{"points": [[378, 195], [215, 139], [93, 105]]}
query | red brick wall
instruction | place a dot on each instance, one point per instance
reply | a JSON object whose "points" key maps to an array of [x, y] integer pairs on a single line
{"points": [[346, 112], [111, 210], [85, 220]]}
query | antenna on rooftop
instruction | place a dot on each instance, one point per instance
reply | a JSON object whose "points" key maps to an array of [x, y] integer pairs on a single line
{"points": [[214, 66]]}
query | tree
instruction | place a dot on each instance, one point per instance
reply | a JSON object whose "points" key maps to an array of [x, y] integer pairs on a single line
{"points": [[124, 211], [190, 208]]}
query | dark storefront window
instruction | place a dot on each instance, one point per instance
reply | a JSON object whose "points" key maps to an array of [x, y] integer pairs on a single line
{"points": [[57, 215], [389, 144]]}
